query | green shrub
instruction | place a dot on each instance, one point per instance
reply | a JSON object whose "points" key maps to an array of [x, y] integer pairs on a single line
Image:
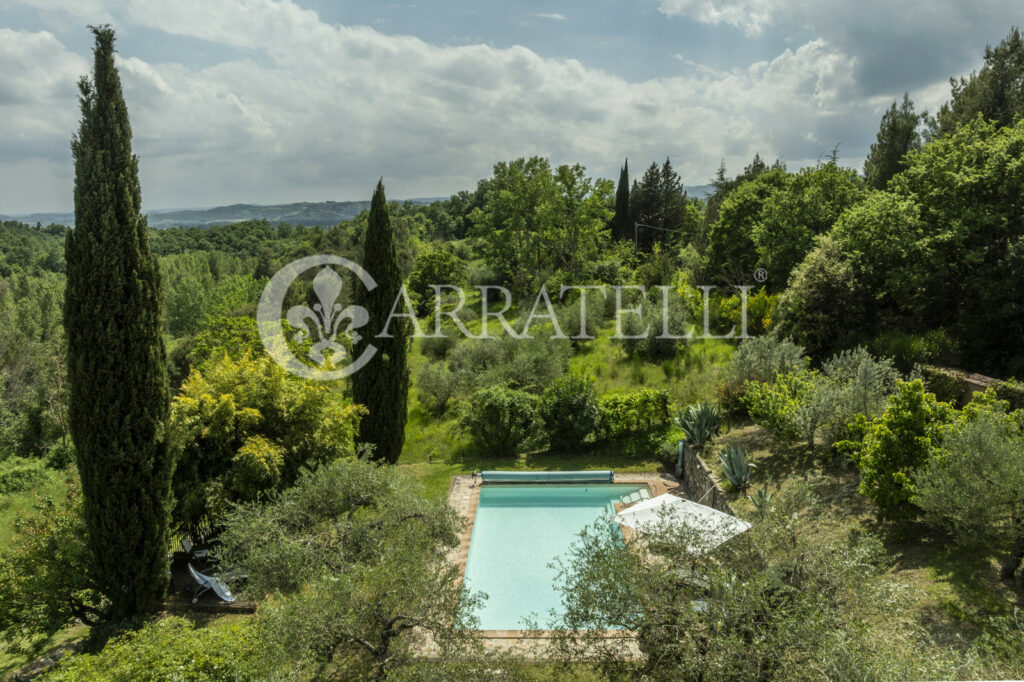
{"points": [[18, 474], [46, 577], [1012, 391], [436, 385], [668, 447], [438, 347], [762, 358], [353, 559], [169, 649], [736, 466], [283, 424], [500, 420], [568, 409], [758, 359], [973, 485], [947, 384], [794, 407], [526, 364], [644, 334], [576, 326], [859, 385], [897, 444], [636, 413], [61, 455], [908, 350], [760, 312]]}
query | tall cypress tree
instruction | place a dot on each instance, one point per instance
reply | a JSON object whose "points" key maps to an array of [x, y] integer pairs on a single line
{"points": [[383, 384], [116, 360], [622, 223]]}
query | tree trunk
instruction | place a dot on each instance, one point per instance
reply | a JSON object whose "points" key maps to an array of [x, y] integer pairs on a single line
{"points": [[1016, 555]]}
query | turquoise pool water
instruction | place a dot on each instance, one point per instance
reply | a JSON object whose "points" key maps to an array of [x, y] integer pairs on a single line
{"points": [[521, 529]]}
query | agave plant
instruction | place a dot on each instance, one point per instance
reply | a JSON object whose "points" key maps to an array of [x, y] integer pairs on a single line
{"points": [[700, 423], [736, 466], [762, 501]]}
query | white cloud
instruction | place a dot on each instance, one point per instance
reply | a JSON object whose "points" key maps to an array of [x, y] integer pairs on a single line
{"points": [[555, 16], [750, 15], [37, 114], [307, 110]]}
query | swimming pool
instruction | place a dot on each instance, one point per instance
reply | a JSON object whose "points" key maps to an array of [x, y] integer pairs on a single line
{"points": [[519, 530]]}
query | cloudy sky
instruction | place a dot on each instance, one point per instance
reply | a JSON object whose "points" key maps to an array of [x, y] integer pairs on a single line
{"points": [[271, 101]]}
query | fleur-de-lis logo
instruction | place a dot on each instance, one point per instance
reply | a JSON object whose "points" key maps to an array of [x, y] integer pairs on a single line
{"points": [[322, 323], [327, 316]]}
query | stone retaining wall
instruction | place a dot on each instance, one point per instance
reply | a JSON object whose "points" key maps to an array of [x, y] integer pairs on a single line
{"points": [[702, 485]]}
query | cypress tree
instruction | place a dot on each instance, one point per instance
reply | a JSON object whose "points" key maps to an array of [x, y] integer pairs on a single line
{"points": [[116, 361], [383, 384], [622, 223]]}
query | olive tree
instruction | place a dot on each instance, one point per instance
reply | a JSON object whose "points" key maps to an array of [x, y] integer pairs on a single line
{"points": [[354, 558], [974, 484]]}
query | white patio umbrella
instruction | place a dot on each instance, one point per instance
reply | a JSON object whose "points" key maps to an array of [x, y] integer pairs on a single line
{"points": [[712, 526]]}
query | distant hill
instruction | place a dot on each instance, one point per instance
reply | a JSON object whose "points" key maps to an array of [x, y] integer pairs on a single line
{"points": [[44, 218], [304, 213], [301, 213], [700, 191]]}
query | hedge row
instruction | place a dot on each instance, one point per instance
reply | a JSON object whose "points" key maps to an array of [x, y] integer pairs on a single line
{"points": [[947, 384]]}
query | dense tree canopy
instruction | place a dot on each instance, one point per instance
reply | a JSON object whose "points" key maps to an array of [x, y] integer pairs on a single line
{"points": [[810, 204], [658, 201], [732, 254]]}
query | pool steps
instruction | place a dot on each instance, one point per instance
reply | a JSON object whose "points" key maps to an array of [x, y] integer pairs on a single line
{"points": [[637, 496]]}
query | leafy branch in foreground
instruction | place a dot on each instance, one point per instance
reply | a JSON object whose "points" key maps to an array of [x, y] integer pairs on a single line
{"points": [[776, 602], [354, 560]]}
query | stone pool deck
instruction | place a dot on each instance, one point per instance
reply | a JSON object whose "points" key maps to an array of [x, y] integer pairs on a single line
{"points": [[464, 496]]}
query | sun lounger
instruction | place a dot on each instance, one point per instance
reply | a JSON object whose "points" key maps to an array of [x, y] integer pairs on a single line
{"points": [[208, 582]]}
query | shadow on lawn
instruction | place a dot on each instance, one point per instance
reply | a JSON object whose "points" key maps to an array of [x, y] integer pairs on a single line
{"points": [[779, 461], [962, 585]]}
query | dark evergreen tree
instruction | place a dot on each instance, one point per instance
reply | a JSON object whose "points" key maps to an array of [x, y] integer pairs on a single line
{"points": [[646, 204], [383, 384], [622, 223], [897, 135], [116, 360], [659, 205], [675, 217], [996, 92]]}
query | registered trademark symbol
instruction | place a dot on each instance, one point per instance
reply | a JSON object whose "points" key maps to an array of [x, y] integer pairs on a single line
{"points": [[761, 275]]}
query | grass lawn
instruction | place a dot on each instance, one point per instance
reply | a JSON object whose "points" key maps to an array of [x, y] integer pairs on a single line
{"points": [[10, 662], [16, 505]]}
